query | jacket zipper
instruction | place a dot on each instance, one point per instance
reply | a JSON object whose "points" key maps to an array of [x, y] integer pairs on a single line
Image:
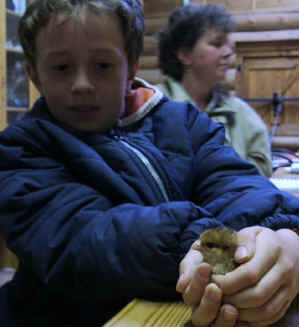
{"points": [[149, 168]]}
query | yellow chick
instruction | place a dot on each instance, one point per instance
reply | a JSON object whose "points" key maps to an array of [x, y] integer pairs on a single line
{"points": [[218, 246]]}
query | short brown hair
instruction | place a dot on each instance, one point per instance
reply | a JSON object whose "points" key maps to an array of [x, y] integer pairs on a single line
{"points": [[39, 12]]}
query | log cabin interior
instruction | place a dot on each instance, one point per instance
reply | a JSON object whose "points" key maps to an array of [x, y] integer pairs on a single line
{"points": [[265, 71]]}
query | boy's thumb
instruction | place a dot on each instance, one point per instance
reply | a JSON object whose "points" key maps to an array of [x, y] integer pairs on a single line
{"points": [[246, 244]]}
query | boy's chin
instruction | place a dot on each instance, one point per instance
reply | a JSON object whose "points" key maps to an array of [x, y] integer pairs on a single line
{"points": [[89, 127]]}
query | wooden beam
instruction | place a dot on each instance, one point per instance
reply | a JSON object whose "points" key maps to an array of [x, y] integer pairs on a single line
{"points": [[155, 24], [289, 142], [148, 62], [152, 76], [161, 7], [254, 21], [262, 36], [249, 21], [274, 3], [150, 46]]}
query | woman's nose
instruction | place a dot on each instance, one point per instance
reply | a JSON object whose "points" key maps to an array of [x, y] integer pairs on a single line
{"points": [[228, 50], [82, 83]]}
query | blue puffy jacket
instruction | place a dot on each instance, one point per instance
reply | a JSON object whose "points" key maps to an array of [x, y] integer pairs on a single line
{"points": [[98, 219]]}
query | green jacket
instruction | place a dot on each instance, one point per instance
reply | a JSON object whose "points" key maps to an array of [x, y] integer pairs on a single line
{"points": [[245, 130]]}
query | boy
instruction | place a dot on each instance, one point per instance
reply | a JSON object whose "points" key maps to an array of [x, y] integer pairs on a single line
{"points": [[106, 184]]}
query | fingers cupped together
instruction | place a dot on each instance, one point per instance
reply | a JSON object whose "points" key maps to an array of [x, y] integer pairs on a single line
{"points": [[210, 312], [195, 290]]}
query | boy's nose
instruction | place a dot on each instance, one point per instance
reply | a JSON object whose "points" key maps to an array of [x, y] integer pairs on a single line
{"points": [[82, 83]]}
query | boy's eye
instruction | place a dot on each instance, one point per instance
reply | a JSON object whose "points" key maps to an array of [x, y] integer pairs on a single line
{"points": [[103, 65], [60, 67]]}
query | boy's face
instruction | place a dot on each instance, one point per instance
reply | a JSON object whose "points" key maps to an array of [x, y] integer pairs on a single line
{"points": [[82, 71]]}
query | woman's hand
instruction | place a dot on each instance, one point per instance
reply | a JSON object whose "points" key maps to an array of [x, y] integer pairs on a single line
{"points": [[204, 297], [263, 288]]}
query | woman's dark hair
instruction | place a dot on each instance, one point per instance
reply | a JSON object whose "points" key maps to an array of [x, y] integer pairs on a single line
{"points": [[186, 25]]}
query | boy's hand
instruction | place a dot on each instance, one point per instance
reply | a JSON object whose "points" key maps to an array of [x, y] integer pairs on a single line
{"points": [[263, 288], [205, 297]]}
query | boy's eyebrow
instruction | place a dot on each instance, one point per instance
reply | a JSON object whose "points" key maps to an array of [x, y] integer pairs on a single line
{"points": [[110, 52], [105, 51]]}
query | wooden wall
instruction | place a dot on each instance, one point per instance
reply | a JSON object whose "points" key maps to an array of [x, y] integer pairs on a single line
{"points": [[267, 54], [238, 5]]}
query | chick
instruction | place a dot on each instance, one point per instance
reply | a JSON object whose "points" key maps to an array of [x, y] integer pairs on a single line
{"points": [[218, 246]]}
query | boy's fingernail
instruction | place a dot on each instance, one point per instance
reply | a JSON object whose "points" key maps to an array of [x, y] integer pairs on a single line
{"points": [[205, 273], [179, 284], [214, 297], [241, 253], [229, 314]]}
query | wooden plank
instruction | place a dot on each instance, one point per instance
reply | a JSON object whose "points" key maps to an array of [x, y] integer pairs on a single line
{"points": [[154, 25], [142, 313], [235, 5], [151, 314], [262, 76], [289, 130], [262, 36], [258, 5], [254, 21], [267, 11], [274, 63], [275, 3], [288, 142], [239, 5], [33, 94], [150, 46], [161, 7], [148, 62], [7, 258], [268, 49], [229, 4], [152, 76], [246, 21]]}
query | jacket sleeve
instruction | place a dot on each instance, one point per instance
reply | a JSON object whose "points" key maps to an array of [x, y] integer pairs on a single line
{"points": [[78, 243], [231, 189], [256, 140]]}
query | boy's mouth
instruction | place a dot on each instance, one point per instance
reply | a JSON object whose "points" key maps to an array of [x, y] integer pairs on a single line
{"points": [[84, 108]]}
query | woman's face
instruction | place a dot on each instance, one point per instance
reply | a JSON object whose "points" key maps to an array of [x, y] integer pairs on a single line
{"points": [[210, 57]]}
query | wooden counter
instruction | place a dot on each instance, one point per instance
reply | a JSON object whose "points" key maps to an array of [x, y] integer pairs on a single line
{"points": [[141, 313]]}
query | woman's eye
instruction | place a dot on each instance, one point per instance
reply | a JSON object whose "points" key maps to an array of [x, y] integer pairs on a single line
{"points": [[217, 44]]}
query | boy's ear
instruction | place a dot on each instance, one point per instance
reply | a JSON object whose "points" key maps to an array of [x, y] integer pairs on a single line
{"points": [[33, 75], [183, 55]]}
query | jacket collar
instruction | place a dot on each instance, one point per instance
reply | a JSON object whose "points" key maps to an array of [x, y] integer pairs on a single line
{"points": [[141, 101], [217, 103]]}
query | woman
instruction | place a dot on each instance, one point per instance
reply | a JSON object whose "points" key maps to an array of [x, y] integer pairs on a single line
{"points": [[194, 54]]}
